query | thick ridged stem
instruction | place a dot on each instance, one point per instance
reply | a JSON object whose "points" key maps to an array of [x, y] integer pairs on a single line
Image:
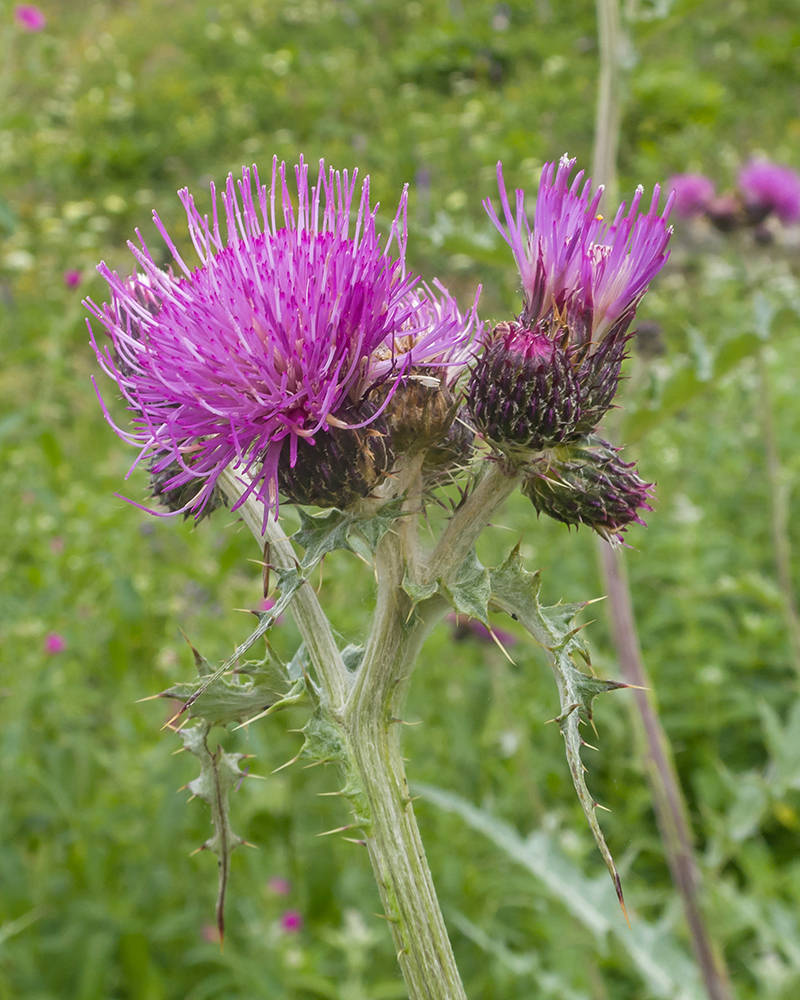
{"points": [[311, 619], [372, 722]]}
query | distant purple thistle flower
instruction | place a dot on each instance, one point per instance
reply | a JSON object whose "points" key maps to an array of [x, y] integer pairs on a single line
{"points": [[54, 643], [256, 350], [465, 627], [292, 922], [280, 886], [72, 278], [693, 193], [768, 187], [29, 17]]}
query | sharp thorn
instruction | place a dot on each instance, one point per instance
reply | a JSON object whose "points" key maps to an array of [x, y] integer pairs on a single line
{"points": [[150, 697], [352, 840], [339, 829], [288, 762]]}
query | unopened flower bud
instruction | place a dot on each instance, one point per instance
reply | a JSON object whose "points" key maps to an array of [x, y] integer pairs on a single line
{"points": [[420, 412], [589, 484], [527, 391], [344, 463]]}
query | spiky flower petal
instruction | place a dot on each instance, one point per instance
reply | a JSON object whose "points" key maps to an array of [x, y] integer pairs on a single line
{"points": [[252, 353]]}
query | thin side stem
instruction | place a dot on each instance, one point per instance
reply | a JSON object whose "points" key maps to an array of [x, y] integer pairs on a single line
{"points": [[670, 806], [607, 114], [311, 619], [668, 800], [495, 486], [779, 510]]}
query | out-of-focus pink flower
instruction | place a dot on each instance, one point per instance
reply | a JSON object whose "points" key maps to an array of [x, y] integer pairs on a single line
{"points": [[72, 278], [693, 193], [56, 544], [292, 922], [54, 643], [470, 628], [769, 187], [29, 17], [267, 605], [208, 932], [280, 886]]}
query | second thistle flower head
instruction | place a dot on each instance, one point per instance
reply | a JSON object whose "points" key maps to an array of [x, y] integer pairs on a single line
{"points": [[549, 376], [266, 351]]}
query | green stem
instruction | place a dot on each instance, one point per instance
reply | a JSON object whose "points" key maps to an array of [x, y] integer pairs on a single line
{"points": [[372, 722], [779, 510], [495, 486], [670, 806], [311, 619]]}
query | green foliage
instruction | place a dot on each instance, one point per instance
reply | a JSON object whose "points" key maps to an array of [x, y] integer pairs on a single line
{"points": [[104, 116]]}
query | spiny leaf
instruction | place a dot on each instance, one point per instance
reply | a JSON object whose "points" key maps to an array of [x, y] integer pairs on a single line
{"points": [[289, 582], [320, 534], [468, 591], [219, 774], [248, 690], [516, 590]]}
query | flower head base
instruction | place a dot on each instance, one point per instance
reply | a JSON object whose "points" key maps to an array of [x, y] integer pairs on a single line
{"points": [[441, 340], [345, 464], [549, 377], [693, 194], [253, 354], [768, 187], [590, 485]]}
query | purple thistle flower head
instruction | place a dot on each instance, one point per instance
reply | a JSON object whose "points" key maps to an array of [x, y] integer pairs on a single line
{"points": [[768, 187], [578, 271], [693, 194], [550, 376], [262, 347]]}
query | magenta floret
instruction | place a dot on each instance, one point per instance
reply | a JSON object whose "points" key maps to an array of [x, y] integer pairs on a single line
{"points": [[290, 317], [586, 273]]}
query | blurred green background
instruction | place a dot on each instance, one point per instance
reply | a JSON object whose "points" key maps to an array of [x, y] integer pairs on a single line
{"points": [[104, 114]]}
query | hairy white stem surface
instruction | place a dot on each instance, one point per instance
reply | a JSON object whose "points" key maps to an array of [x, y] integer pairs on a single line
{"points": [[311, 619]]}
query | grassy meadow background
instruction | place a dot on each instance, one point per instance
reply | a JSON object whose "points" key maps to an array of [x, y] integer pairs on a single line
{"points": [[103, 116]]}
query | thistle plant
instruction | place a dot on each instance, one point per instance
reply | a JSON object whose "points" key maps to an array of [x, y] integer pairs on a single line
{"points": [[302, 363]]}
